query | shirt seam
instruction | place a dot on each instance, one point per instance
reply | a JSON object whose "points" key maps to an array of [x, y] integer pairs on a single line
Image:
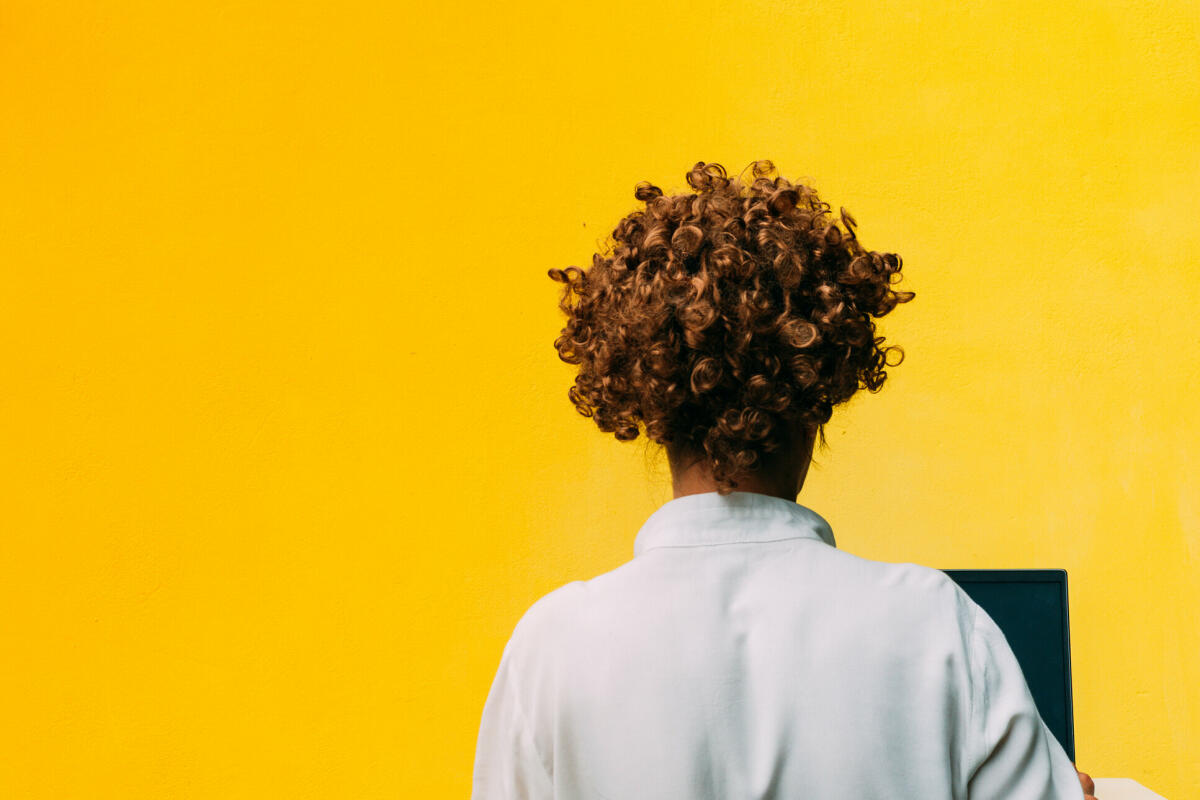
{"points": [[980, 741], [524, 724]]}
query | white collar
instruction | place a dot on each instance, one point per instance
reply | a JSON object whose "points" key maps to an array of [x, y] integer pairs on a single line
{"points": [[740, 517]]}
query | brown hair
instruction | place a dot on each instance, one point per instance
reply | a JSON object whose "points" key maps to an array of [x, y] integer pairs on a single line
{"points": [[722, 319]]}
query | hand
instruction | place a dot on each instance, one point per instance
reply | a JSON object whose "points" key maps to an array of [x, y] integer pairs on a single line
{"points": [[1089, 787]]}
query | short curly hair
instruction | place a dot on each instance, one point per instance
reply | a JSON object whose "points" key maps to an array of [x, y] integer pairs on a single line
{"points": [[725, 319]]}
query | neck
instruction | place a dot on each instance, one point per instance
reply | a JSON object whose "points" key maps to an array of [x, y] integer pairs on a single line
{"points": [[782, 476]]}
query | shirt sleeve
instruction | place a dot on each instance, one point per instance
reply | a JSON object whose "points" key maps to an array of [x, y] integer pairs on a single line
{"points": [[1015, 754], [508, 765]]}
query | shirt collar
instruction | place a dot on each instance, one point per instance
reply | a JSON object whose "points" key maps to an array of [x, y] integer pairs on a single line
{"points": [[695, 520]]}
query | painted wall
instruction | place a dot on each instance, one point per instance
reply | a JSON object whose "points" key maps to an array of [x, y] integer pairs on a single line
{"points": [[287, 450]]}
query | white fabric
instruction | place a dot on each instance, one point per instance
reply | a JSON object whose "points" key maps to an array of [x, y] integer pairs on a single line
{"points": [[741, 656]]}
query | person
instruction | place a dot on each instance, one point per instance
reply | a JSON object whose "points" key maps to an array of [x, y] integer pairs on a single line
{"points": [[740, 653]]}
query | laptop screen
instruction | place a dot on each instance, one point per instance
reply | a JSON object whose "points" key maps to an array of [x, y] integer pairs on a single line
{"points": [[1030, 607]]}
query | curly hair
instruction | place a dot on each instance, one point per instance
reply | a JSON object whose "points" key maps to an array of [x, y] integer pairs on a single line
{"points": [[724, 319]]}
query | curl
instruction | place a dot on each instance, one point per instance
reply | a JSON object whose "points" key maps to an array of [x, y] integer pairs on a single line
{"points": [[719, 319]]}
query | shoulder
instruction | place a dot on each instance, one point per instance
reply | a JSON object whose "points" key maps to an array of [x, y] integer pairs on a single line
{"points": [[907, 578], [907, 594], [545, 620], [580, 603], [574, 612]]}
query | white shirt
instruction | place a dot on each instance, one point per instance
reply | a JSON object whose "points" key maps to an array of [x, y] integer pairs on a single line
{"points": [[740, 655]]}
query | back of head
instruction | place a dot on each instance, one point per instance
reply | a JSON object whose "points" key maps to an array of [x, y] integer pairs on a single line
{"points": [[724, 320]]}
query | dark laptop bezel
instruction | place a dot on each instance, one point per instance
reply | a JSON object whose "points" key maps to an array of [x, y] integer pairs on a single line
{"points": [[1057, 576]]}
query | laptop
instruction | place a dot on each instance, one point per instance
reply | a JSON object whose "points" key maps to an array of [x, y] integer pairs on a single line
{"points": [[1030, 607]]}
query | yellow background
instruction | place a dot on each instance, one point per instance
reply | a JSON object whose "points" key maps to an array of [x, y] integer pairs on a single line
{"points": [[286, 447]]}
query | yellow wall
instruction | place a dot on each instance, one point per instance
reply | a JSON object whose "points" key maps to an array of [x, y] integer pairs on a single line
{"points": [[287, 450]]}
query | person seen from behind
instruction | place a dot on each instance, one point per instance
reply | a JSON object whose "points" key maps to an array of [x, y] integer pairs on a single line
{"points": [[740, 654]]}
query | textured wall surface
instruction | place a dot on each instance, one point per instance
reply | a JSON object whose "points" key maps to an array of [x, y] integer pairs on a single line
{"points": [[287, 449]]}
